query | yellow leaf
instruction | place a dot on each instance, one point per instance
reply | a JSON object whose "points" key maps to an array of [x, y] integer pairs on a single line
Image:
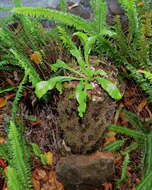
{"points": [[49, 158], [2, 102], [6, 171], [2, 140], [36, 57], [140, 3]]}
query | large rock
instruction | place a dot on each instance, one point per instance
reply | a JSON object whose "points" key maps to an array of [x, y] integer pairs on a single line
{"points": [[85, 172]]}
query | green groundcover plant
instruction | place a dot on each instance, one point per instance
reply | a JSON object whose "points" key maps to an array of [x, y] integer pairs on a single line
{"points": [[85, 76]]}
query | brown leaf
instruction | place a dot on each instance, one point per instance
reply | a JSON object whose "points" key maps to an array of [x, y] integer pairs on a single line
{"points": [[141, 105], [36, 184], [40, 174], [10, 82], [2, 102], [111, 138], [54, 184], [107, 186]]}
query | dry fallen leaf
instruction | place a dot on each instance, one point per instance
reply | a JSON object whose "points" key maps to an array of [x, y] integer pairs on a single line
{"points": [[36, 184], [40, 174], [2, 140], [141, 105], [54, 184], [111, 138], [107, 186], [49, 158], [2, 102]]}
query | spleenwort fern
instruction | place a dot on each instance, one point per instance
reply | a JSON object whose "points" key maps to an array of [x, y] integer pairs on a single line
{"points": [[26, 65], [143, 141], [97, 26], [16, 152], [124, 170], [18, 96], [17, 161]]}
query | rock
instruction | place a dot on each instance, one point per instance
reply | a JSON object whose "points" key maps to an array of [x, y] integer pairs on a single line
{"points": [[79, 172], [115, 8], [85, 135]]}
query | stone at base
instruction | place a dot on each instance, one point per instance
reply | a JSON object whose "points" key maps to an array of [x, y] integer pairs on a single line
{"points": [[81, 172]]}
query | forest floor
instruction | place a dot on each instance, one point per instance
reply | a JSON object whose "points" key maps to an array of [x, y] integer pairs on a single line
{"points": [[40, 121]]}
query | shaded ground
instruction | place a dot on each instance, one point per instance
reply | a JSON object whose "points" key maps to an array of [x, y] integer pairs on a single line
{"points": [[41, 127]]}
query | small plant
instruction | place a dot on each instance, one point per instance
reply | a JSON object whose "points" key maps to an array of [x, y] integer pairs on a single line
{"points": [[85, 76], [143, 140]]}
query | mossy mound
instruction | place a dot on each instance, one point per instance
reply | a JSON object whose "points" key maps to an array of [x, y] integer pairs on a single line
{"points": [[85, 134]]}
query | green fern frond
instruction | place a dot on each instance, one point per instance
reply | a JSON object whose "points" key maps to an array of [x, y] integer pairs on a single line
{"points": [[65, 18], [124, 170], [113, 146], [5, 9], [99, 8], [26, 65], [17, 3], [63, 5], [13, 182], [18, 96], [130, 148], [125, 131], [147, 75], [145, 183], [4, 152], [17, 158], [144, 84], [148, 155], [134, 120]]}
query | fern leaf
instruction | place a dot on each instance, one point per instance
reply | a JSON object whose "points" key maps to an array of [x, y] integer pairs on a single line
{"points": [[148, 155], [144, 184], [18, 96], [133, 120], [63, 5], [113, 146], [26, 65], [17, 158], [13, 181], [130, 148], [65, 18], [131, 133], [124, 170], [4, 152], [17, 3]]}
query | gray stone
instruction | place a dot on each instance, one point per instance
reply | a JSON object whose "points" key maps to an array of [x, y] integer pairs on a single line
{"points": [[79, 172]]}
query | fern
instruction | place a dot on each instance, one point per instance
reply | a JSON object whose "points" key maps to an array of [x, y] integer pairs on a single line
{"points": [[129, 132], [124, 170], [4, 152], [130, 148], [26, 65], [113, 146], [97, 26], [13, 182], [147, 75], [18, 96], [144, 184], [144, 84], [17, 3], [17, 162], [63, 5]]}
